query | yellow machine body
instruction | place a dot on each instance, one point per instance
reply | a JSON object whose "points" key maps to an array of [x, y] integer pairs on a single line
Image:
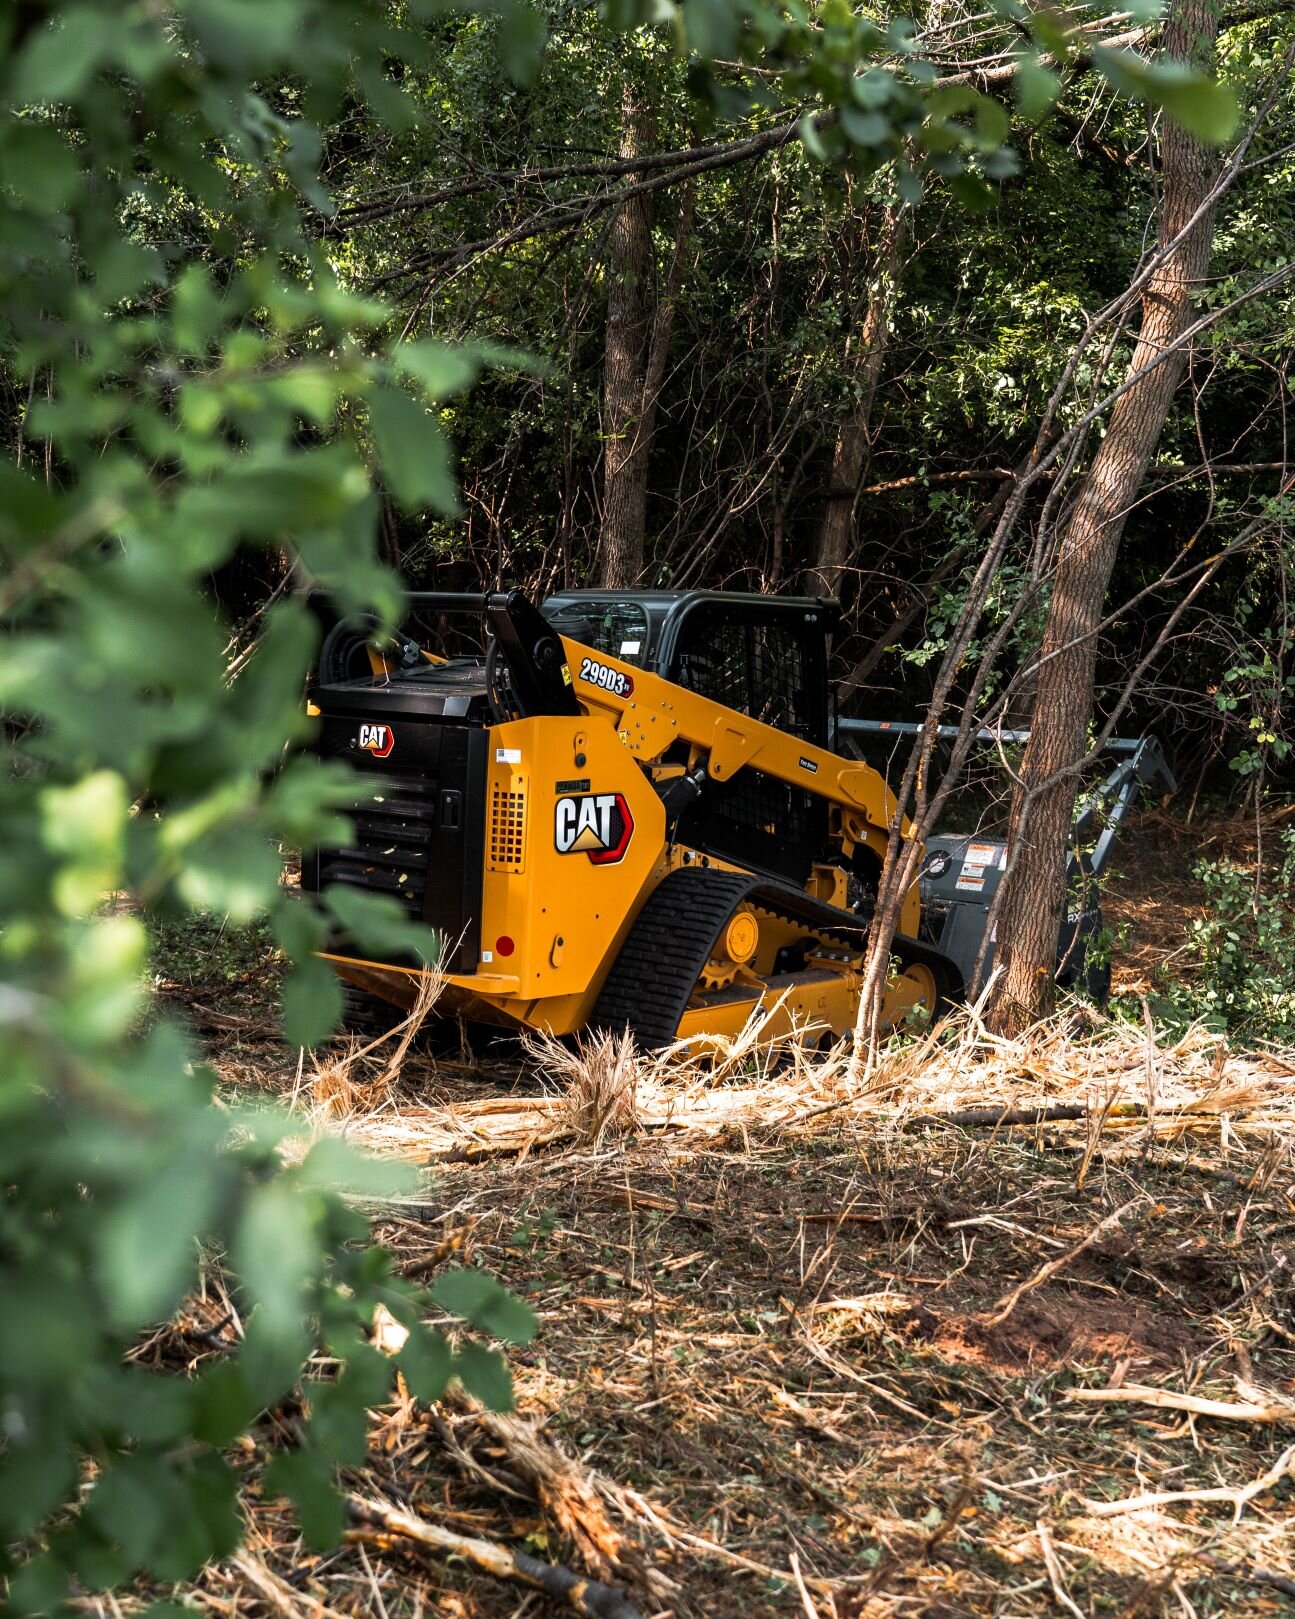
{"points": [[576, 842]]}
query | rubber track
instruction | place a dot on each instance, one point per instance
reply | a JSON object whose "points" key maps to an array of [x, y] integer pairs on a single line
{"points": [[651, 980], [661, 960]]}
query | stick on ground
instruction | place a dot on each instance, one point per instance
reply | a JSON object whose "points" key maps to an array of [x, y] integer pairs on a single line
{"points": [[1237, 1499], [589, 1598], [1168, 1400], [1007, 1304]]}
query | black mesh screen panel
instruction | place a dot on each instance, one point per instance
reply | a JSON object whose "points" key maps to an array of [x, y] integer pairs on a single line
{"points": [[769, 667]]}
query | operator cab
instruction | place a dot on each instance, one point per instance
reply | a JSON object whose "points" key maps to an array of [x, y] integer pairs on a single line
{"points": [[765, 656]]}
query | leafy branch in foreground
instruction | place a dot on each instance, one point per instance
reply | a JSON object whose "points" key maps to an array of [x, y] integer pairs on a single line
{"points": [[188, 406]]}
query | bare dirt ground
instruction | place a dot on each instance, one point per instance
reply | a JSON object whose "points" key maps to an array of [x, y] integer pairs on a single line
{"points": [[807, 1353]]}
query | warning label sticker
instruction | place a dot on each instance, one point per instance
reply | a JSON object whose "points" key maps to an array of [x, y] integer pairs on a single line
{"points": [[975, 861]]}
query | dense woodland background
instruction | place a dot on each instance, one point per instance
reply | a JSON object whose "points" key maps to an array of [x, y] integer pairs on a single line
{"points": [[835, 387]]}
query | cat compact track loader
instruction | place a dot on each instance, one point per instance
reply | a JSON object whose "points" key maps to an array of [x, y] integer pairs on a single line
{"points": [[618, 811]]}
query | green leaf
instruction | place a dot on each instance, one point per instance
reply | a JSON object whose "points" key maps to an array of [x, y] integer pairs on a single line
{"points": [[865, 128], [463, 1291], [1036, 88], [37, 1586], [33, 1481], [523, 34], [338, 1423], [810, 138], [483, 1300], [414, 454], [972, 192], [484, 1373], [197, 310], [874, 88], [307, 1480], [335, 1165], [312, 1003], [992, 123], [276, 1252], [510, 1319], [440, 369], [427, 1361], [62, 55], [86, 825], [1200, 105], [129, 1505], [221, 1403], [40, 168], [379, 924], [231, 870], [101, 997], [909, 184], [146, 1243], [1203, 108], [711, 27]]}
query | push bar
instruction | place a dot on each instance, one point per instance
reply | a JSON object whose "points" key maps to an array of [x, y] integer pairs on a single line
{"points": [[950, 733]]}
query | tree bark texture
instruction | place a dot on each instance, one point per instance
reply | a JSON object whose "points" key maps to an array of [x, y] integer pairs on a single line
{"points": [[1044, 801], [630, 262], [835, 546]]}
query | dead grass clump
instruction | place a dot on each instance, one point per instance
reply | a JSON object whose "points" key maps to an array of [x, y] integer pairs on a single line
{"points": [[359, 1077], [752, 1056], [596, 1081]]}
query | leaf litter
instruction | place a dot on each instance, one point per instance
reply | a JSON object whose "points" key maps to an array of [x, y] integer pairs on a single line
{"points": [[814, 1351]]}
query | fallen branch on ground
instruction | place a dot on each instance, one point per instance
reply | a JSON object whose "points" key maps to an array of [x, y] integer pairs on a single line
{"points": [[1252, 1576], [1009, 1303], [567, 1494], [970, 1118], [1168, 1400], [1237, 1499], [388, 1527], [1056, 1575]]}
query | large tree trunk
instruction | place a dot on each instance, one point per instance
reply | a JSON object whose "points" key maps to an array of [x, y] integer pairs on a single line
{"points": [[1043, 806], [624, 520], [853, 450]]}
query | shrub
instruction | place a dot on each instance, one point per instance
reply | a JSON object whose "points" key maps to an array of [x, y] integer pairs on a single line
{"points": [[1244, 946]]}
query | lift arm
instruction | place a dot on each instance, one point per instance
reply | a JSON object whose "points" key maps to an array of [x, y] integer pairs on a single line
{"points": [[651, 714]]}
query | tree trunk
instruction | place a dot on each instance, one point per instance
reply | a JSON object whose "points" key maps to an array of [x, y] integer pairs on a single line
{"points": [[853, 449], [1044, 802], [624, 520]]}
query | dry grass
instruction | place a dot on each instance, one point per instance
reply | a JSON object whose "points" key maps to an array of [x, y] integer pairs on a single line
{"points": [[773, 1379], [359, 1078], [594, 1081], [1139, 1083]]}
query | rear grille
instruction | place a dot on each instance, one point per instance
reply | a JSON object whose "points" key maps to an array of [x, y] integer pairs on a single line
{"points": [[393, 821], [418, 832], [508, 827]]}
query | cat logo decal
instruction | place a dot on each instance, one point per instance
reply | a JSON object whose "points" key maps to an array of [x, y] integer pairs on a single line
{"points": [[597, 824], [376, 739]]}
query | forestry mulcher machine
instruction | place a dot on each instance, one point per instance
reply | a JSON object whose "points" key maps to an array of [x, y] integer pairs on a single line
{"points": [[625, 811]]}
